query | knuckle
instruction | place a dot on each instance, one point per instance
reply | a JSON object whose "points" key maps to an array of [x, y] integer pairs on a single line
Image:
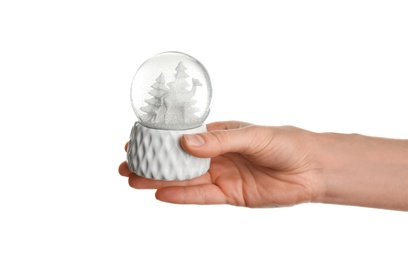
{"points": [[221, 138]]}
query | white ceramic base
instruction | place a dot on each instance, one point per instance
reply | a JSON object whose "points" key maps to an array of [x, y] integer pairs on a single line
{"points": [[157, 154]]}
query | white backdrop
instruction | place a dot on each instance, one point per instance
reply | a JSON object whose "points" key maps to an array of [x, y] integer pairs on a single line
{"points": [[65, 74]]}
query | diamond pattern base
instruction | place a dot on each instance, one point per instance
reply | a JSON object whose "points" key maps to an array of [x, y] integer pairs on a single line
{"points": [[157, 154]]}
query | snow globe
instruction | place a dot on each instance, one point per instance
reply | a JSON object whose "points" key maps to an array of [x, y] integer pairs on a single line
{"points": [[170, 95]]}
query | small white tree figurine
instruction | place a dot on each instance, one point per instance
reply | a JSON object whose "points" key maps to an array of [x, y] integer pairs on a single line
{"points": [[155, 110]]}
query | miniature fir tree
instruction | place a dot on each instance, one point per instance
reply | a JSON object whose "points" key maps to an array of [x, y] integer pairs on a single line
{"points": [[179, 100], [155, 110]]}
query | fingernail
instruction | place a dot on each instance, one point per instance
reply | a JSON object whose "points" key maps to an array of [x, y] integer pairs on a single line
{"points": [[194, 140]]}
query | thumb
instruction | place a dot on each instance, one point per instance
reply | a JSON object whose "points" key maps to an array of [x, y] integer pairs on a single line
{"points": [[218, 142]]}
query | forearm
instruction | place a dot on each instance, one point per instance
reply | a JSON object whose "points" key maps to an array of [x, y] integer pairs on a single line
{"points": [[364, 171]]}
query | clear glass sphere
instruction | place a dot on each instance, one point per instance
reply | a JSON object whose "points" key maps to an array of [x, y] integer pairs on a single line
{"points": [[171, 90]]}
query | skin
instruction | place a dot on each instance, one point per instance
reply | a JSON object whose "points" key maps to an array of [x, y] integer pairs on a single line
{"points": [[264, 166]]}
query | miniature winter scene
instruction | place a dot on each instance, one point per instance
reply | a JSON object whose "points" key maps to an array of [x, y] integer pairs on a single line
{"points": [[171, 95], [172, 103], [171, 90]]}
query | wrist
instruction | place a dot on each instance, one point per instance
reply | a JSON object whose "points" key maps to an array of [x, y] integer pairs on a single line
{"points": [[362, 171]]}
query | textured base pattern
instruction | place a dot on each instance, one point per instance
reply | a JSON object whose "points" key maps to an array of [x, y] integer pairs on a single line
{"points": [[157, 154]]}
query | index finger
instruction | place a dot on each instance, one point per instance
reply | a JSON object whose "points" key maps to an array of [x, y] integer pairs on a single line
{"points": [[226, 125]]}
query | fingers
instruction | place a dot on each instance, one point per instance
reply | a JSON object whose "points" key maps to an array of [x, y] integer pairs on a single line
{"points": [[124, 170], [222, 125], [218, 142], [199, 190], [225, 125], [198, 194], [139, 182]]}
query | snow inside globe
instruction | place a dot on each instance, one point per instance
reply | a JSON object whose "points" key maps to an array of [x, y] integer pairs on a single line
{"points": [[171, 96]]}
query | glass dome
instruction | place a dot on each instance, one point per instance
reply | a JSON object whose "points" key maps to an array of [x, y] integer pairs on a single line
{"points": [[171, 90]]}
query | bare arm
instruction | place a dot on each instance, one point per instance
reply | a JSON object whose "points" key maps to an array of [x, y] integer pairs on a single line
{"points": [[264, 166], [364, 171]]}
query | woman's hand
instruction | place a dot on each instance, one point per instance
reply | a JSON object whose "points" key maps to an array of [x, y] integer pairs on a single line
{"points": [[263, 166], [253, 166]]}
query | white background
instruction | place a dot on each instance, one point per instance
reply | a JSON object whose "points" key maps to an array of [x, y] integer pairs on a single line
{"points": [[65, 115]]}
